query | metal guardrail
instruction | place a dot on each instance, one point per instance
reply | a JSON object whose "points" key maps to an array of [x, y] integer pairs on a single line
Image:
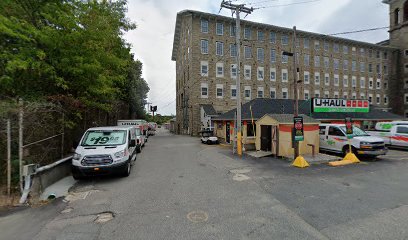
{"points": [[32, 170]]}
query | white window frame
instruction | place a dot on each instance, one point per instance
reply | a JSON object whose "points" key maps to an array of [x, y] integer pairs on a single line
{"points": [[219, 26], [345, 95], [317, 78], [362, 95], [385, 100], [336, 76], [233, 66], [246, 88], [362, 82], [204, 41], [272, 57], [246, 69], [260, 54], [219, 86], [247, 52], [260, 89], [378, 97], [345, 81], [306, 73], [353, 81], [304, 94], [327, 79], [336, 94], [370, 83], [204, 28], [204, 63], [219, 48], [272, 89], [326, 94], [272, 74], [316, 92], [285, 71], [378, 84], [285, 90], [219, 65], [317, 61], [370, 98], [203, 85], [258, 75], [234, 87]]}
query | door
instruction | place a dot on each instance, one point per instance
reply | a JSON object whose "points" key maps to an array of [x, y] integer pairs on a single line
{"points": [[227, 132], [335, 139], [323, 137], [266, 138], [401, 137], [275, 143]]}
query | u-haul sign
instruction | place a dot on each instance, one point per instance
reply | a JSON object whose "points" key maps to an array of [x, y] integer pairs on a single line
{"points": [[339, 105]]}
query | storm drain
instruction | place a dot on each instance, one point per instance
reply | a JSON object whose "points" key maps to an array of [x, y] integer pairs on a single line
{"points": [[197, 216], [104, 217]]}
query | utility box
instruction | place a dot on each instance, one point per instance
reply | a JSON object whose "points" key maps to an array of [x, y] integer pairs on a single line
{"points": [[29, 169]]}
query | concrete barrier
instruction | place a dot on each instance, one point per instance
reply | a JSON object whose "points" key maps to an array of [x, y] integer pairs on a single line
{"points": [[47, 175]]}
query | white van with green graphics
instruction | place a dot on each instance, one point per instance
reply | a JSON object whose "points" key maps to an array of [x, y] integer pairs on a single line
{"points": [[333, 139]]}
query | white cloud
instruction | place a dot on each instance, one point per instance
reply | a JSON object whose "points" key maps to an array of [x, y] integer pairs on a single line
{"points": [[152, 41]]}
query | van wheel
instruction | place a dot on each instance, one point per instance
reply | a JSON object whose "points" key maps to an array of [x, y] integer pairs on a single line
{"points": [[127, 168], [346, 150]]}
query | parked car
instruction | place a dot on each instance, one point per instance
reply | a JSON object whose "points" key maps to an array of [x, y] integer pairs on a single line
{"points": [[140, 138], [333, 138], [393, 134], [105, 150], [152, 128], [208, 137]]}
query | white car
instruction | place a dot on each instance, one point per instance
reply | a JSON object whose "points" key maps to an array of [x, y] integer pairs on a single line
{"points": [[209, 138]]}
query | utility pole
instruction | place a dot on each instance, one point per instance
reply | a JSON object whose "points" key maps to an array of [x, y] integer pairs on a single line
{"points": [[20, 142], [295, 87], [238, 8], [8, 157]]}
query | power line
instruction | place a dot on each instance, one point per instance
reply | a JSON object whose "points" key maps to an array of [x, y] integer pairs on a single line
{"points": [[358, 31], [289, 4]]}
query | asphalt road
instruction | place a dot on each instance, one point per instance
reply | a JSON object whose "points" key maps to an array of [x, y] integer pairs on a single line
{"points": [[182, 189]]}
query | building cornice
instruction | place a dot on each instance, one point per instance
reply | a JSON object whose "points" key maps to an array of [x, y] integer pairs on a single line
{"points": [[268, 26]]}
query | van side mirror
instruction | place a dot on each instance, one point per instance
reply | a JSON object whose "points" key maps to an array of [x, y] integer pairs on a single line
{"points": [[132, 143]]}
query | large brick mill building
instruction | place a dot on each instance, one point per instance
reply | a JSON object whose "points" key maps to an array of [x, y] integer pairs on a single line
{"points": [[205, 53]]}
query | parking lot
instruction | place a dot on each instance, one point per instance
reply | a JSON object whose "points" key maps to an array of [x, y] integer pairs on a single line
{"points": [[183, 189]]}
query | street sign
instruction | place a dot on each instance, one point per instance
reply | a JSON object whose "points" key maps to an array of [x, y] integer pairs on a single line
{"points": [[349, 128], [298, 128], [340, 105]]}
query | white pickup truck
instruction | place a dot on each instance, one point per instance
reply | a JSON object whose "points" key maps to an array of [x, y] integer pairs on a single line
{"points": [[333, 138], [394, 134]]}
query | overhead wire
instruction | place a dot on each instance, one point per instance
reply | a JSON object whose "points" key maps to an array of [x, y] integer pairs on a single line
{"points": [[288, 4]]}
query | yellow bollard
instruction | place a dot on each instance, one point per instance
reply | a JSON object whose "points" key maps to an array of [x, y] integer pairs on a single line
{"points": [[351, 157], [239, 143], [300, 162]]}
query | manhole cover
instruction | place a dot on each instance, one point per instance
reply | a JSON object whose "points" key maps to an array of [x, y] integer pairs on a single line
{"points": [[104, 217], [197, 216], [240, 177]]}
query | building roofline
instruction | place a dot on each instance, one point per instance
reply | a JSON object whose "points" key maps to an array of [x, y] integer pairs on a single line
{"points": [[283, 29]]}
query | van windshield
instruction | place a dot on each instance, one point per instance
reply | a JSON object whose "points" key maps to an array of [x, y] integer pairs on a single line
{"points": [[137, 131], [356, 131], [104, 138]]}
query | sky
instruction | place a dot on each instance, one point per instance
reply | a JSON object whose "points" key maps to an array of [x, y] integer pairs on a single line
{"points": [[152, 40]]}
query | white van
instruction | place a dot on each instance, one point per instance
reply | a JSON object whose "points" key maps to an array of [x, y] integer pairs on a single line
{"points": [[333, 138], [104, 150], [140, 137]]}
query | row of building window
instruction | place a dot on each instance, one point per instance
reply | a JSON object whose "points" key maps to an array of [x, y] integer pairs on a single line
{"points": [[260, 75], [260, 56], [219, 30], [284, 93]]}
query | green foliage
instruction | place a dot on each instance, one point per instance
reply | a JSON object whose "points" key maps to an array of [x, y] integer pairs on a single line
{"points": [[70, 51], [159, 119]]}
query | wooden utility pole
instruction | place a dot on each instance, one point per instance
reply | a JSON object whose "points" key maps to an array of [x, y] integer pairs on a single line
{"points": [[238, 8]]}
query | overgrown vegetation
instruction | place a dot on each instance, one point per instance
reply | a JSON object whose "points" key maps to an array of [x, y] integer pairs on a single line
{"points": [[71, 52], [69, 62]]}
